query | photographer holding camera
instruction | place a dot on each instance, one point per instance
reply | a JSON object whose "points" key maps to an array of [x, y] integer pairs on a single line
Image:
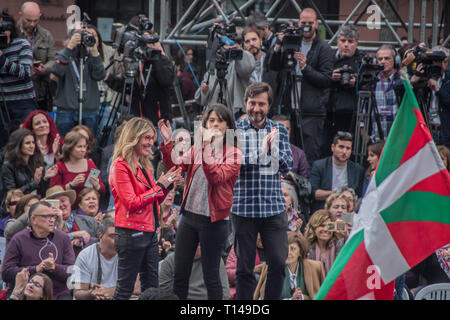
{"points": [[313, 67], [17, 96], [431, 83], [232, 64], [343, 96], [82, 45]]}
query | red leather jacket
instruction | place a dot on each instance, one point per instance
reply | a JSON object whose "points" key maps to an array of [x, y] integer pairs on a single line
{"points": [[133, 197], [221, 171]]}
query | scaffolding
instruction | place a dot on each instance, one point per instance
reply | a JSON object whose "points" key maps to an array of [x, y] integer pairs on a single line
{"points": [[202, 14]]}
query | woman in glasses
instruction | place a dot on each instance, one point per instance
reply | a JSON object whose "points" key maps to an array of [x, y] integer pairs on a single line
{"points": [[37, 287], [12, 197]]}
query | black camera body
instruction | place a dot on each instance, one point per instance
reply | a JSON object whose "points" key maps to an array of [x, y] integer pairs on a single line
{"points": [[87, 39], [131, 41], [346, 72], [293, 35], [368, 74], [427, 57]]}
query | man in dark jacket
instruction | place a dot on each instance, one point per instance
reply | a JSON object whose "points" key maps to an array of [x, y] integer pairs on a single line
{"points": [[343, 96], [314, 65]]}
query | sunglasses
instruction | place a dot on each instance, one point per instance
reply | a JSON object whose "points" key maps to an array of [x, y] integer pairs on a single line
{"points": [[344, 134], [12, 203], [35, 283]]}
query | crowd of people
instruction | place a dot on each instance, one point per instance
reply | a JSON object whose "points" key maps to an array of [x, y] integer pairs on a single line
{"points": [[237, 210]]}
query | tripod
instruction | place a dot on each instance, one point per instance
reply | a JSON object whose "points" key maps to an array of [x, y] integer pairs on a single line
{"points": [[366, 108], [221, 72], [81, 56], [290, 93]]}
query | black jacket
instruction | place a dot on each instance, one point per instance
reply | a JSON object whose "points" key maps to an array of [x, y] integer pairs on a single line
{"points": [[22, 178], [344, 99], [316, 77]]}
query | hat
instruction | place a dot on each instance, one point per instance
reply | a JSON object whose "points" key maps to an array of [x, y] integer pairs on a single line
{"points": [[57, 191]]}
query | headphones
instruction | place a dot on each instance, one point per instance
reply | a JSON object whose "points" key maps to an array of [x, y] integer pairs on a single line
{"points": [[397, 59]]}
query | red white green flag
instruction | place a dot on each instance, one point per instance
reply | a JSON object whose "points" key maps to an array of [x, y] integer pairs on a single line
{"points": [[404, 216]]}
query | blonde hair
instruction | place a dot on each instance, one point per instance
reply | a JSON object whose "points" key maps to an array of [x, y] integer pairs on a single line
{"points": [[131, 133], [334, 196], [318, 218]]}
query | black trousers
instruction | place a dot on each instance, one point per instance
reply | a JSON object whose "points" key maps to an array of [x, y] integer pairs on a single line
{"points": [[194, 229], [273, 231], [138, 253]]}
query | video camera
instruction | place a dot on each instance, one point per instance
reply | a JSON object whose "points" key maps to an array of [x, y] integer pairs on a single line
{"points": [[131, 41], [221, 35], [427, 57], [292, 40], [5, 25], [367, 76]]}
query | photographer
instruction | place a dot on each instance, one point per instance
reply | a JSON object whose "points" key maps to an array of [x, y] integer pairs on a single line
{"points": [[16, 88], [67, 69], [343, 96], [237, 76], [432, 86], [313, 68], [151, 92], [44, 51]]}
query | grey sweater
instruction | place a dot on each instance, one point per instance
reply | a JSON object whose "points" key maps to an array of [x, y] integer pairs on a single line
{"points": [[66, 98]]}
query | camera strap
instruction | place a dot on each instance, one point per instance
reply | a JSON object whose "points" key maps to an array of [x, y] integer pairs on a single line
{"points": [[141, 74]]}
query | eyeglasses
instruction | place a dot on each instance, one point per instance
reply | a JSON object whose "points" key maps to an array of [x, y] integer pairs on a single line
{"points": [[12, 203], [35, 283], [47, 216]]}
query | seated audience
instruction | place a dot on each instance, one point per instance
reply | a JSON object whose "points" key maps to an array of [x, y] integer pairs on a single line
{"points": [[324, 245], [373, 155], [12, 197], [37, 287], [89, 204], [41, 248], [303, 277], [296, 220], [74, 168], [24, 166], [444, 152], [47, 136]]}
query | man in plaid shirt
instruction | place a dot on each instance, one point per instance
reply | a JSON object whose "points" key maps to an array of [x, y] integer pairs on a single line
{"points": [[385, 95], [258, 204]]}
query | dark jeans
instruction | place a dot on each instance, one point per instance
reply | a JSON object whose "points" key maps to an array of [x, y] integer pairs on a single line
{"points": [[313, 137], [192, 230], [445, 127], [66, 120], [273, 231], [138, 253], [17, 110]]}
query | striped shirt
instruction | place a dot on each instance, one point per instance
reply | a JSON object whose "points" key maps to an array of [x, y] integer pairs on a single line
{"points": [[257, 192], [15, 73]]}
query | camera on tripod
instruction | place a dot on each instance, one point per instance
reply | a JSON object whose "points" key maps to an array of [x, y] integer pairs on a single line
{"points": [[427, 57], [221, 35], [367, 76], [5, 25], [292, 39], [131, 41]]}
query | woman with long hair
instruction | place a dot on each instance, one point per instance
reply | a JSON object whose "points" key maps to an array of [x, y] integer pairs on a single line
{"points": [[373, 155], [211, 168], [47, 135], [36, 287], [24, 166], [137, 198], [74, 168], [324, 245]]}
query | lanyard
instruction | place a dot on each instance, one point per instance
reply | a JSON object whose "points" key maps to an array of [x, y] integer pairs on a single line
{"points": [[391, 81], [77, 73], [141, 67]]}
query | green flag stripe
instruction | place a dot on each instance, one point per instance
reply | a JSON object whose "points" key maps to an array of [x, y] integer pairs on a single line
{"points": [[418, 206], [339, 264], [399, 137]]}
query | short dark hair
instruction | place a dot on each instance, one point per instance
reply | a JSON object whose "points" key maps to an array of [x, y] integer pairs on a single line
{"points": [[343, 136], [106, 223], [258, 88], [254, 29], [280, 117], [36, 205]]}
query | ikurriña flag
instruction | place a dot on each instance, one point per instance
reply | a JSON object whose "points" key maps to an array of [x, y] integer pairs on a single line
{"points": [[404, 216]]}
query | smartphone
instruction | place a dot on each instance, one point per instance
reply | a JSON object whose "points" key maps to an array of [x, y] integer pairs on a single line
{"points": [[93, 173], [348, 217], [331, 226], [53, 202]]}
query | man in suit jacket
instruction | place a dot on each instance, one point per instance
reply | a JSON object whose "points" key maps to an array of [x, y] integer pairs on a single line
{"points": [[330, 174]]}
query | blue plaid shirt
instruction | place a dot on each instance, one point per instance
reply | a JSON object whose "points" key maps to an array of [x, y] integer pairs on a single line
{"points": [[257, 192], [386, 104]]}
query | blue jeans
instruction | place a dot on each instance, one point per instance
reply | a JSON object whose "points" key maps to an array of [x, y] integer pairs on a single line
{"points": [[138, 253], [66, 120], [273, 231], [19, 109], [192, 230]]}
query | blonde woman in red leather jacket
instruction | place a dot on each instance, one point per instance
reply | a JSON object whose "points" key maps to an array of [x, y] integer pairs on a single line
{"points": [[137, 198], [212, 167]]}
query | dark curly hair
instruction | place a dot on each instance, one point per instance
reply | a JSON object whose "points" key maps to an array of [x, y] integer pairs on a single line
{"points": [[13, 150]]}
